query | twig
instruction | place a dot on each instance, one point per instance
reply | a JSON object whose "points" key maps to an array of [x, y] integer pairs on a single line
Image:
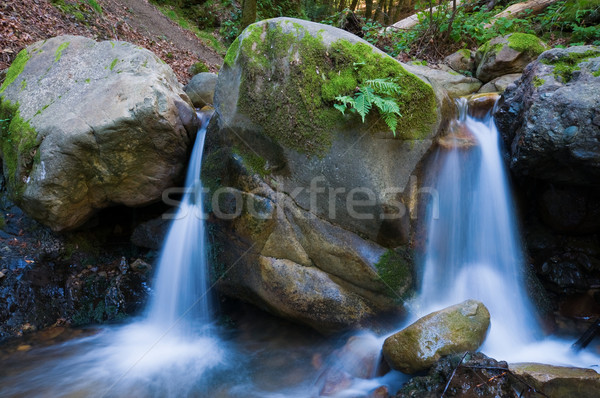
{"points": [[511, 373], [453, 372]]}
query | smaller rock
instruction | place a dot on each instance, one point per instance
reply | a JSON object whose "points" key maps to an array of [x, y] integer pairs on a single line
{"points": [[461, 327], [507, 54], [140, 265], [481, 104], [559, 381], [453, 82], [201, 89], [461, 61], [2, 274], [151, 234], [24, 347], [499, 84], [380, 392]]}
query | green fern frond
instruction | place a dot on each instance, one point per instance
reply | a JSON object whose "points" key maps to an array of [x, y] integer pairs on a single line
{"points": [[384, 86], [391, 119], [386, 105]]}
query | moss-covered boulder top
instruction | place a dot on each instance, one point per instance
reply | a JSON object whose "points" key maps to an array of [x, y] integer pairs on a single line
{"points": [[89, 124], [275, 101], [459, 328], [507, 54], [550, 120]]}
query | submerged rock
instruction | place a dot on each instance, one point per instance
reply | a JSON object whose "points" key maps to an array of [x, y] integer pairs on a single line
{"points": [[461, 327], [290, 167], [201, 89], [507, 54], [92, 124], [550, 121], [559, 381]]}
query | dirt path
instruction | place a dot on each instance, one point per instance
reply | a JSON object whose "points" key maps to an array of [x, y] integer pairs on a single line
{"points": [[23, 22], [148, 20]]}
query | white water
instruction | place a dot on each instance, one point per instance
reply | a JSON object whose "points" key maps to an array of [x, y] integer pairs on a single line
{"points": [[473, 249]]}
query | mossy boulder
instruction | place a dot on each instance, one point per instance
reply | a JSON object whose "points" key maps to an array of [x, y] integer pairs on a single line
{"points": [[297, 167], [459, 328], [507, 54], [550, 121], [559, 381], [274, 101], [86, 125]]}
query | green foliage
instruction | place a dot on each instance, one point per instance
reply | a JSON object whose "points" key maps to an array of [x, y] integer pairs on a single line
{"points": [[380, 93], [198, 67], [94, 4], [538, 81], [113, 64]]}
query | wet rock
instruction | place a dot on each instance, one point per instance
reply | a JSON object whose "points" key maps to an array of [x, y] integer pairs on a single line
{"points": [[151, 234], [547, 121], [570, 210], [461, 327], [559, 381], [201, 89], [470, 376], [499, 84], [107, 123], [507, 54], [482, 104]]}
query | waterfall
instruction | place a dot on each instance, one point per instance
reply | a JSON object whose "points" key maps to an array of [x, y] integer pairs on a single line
{"points": [[473, 248], [181, 300]]}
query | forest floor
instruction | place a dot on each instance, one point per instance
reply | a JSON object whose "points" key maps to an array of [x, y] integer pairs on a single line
{"points": [[23, 22]]}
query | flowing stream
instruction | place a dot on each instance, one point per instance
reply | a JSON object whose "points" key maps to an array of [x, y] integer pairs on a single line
{"points": [[176, 350]]}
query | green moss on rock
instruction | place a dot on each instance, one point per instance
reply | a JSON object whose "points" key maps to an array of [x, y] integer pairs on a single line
{"points": [[290, 80], [566, 65], [19, 144], [527, 43], [395, 270], [59, 51], [253, 161], [17, 66]]}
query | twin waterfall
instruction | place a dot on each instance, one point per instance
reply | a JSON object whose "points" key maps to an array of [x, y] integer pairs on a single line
{"points": [[473, 247]]}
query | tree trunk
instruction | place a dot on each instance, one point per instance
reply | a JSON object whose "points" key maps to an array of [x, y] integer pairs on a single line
{"points": [[248, 13], [342, 5], [368, 8], [517, 10], [353, 5]]}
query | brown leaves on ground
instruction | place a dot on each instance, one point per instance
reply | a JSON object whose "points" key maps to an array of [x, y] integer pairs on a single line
{"points": [[23, 22]]}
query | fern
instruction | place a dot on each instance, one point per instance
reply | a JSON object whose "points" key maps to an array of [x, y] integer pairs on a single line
{"points": [[375, 92]]}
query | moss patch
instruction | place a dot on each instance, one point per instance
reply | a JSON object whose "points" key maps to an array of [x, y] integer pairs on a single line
{"points": [[232, 52], [527, 43], [538, 81], [17, 66], [290, 80], [565, 66], [59, 51], [395, 270], [253, 161], [198, 67], [18, 143]]}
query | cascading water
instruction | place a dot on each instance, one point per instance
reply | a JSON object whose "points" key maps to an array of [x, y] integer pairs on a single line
{"points": [[181, 300], [473, 248]]}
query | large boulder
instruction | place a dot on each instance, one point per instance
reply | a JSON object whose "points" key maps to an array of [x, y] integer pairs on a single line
{"points": [[551, 119], [461, 327], [507, 54], [321, 196], [559, 381], [90, 125]]}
